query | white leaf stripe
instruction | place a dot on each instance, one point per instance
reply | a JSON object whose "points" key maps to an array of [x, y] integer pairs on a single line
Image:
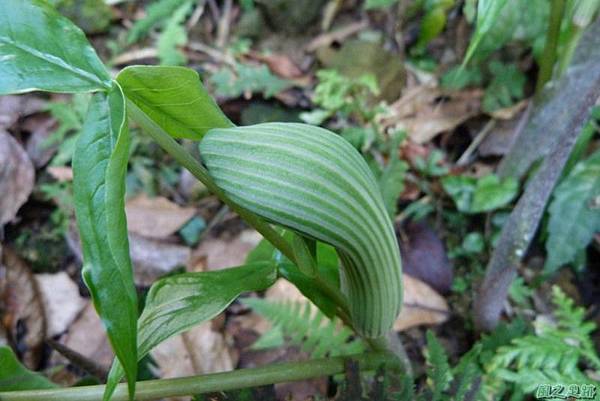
{"points": [[313, 181]]}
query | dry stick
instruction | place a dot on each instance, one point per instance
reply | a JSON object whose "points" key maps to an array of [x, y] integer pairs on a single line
{"points": [[464, 159], [223, 27], [524, 220], [79, 360]]}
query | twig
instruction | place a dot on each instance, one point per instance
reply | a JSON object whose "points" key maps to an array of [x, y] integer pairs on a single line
{"points": [[79, 360], [464, 159], [224, 23], [196, 15], [327, 38], [214, 10], [134, 55], [524, 220], [215, 54]]}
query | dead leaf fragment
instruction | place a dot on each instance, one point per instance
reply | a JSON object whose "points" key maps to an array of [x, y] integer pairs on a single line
{"points": [[279, 64], [223, 253], [16, 177], [14, 107], [61, 299], [23, 316], [422, 305], [61, 173], [424, 256], [39, 147], [153, 259], [200, 350], [155, 217], [87, 336], [426, 111]]}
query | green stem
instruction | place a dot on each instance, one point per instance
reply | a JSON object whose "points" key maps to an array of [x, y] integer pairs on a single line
{"points": [[551, 46], [237, 379], [177, 151]]}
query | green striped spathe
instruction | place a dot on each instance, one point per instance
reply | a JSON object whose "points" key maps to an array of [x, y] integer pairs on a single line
{"points": [[313, 181]]}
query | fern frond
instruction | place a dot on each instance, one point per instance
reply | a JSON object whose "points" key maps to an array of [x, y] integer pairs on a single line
{"points": [[554, 354], [172, 36], [305, 326], [467, 375], [155, 14], [438, 369]]}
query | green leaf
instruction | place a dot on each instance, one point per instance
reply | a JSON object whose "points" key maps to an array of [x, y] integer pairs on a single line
{"points": [[506, 87], [15, 377], [492, 193], [574, 213], [312, 181], [487, 14], [177, 303], [174, 98], [42, 50], [433, 22], [477, 195], [373, 4], [100, 166]]}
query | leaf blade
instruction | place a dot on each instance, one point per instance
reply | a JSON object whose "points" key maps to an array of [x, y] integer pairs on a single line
{"points": [[42, 50], [177, 303], [314, 182], [174, 98], [100, 165], [573, 219], [15, 377]]}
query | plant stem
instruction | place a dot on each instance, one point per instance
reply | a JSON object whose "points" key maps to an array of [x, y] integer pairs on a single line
{"points": [[177, 151], [551, 45], [237, 379]]}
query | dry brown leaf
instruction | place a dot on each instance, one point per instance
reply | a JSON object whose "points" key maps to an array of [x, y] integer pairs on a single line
{"points": [[62, 301], [220, 253], [422, 305], [24, 318], [87, 336], [283, 290], [16, 177], [38, 148], [426, 111], [153, 259], [14, 107], [156, 217], [326, 39], [279, 64], [200, 350], [61, 173]]}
